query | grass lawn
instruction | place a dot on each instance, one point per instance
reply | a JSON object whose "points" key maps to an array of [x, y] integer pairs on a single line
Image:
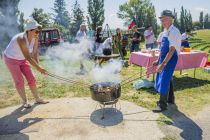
{"points": [[203, 34], [191, 93], [201, 40]]}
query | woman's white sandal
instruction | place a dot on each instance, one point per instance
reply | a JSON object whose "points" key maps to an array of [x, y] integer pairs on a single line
{"points": [[41, 101], [26, 105]]}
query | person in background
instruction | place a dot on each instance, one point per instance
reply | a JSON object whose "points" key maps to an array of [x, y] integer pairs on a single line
{"points": [[106, 50], [81, 35], [21, 52], [185, 37], [107, 44], [135, 41], [159, 39], [117, 42], [98, 40], [149, 38], [185, 44], [169, 50], [124, 45]]}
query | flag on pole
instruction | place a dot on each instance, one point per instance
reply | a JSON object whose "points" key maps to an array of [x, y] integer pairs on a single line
{"points": [[133, 23]]}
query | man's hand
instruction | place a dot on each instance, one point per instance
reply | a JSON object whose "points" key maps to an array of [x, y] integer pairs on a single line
{"points": [[160, 68], [134, 39], [155, 63], [114, 46]]}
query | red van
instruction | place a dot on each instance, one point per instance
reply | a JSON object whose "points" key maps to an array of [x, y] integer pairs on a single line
{"points": [[49, 37]]}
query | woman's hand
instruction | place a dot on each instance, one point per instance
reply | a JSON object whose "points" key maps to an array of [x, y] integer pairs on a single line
{"points": [[42, 71]]}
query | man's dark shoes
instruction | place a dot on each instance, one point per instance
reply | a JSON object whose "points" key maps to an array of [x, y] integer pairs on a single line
{"points": [[171, 102], [158, 109]]}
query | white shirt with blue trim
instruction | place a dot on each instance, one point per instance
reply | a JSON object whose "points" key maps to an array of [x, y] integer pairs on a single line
{"points": [[174, 37]]}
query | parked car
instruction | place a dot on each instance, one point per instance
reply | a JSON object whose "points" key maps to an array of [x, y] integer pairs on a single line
{"points": [[49, 37]]}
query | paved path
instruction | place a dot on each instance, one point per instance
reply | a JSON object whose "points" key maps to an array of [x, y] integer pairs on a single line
{"points": [[188, 128], [77, 119], [203, 120]]}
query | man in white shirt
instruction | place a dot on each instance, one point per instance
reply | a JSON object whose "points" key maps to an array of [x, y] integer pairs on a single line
{"points": [[107, 46], [107, 43], [149, 37], [166, 63]]}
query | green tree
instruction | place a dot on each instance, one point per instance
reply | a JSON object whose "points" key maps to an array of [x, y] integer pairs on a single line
{"points": [[95, 13], [190, 21], [196, 25], [143, 10], [206, 21], [150, 18], [176, 20], [64, 32], [201, 19], [61, 15], [21, 22], [41, 17], [77, 18], [182, 20], [185, 20], [8, 21]]}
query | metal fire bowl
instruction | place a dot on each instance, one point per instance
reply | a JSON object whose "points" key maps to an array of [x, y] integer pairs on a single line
{"points": [[106, 93]]}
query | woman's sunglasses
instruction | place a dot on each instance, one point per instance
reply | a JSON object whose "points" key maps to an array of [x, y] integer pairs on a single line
{"points": [[36, 31]]}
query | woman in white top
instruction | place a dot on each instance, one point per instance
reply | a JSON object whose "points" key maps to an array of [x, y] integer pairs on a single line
{"points": [[19, 54], [149, 37], [159, 39]]}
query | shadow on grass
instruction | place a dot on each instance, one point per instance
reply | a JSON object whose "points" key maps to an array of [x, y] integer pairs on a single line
{"points": [[190, 130], [11, 126], [150, 90], [182, 83]]}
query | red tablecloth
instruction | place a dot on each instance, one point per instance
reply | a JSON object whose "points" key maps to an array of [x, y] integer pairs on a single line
{"points": [[187, 60]]}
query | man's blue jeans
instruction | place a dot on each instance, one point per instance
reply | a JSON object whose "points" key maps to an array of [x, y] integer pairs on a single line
{"points": [[134, 47]]}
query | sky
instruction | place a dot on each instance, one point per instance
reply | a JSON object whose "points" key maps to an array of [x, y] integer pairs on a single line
{"points": [[112, 6]]}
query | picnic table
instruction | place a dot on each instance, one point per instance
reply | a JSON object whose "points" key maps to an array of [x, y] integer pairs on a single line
{"points": [[186, 60], [102, 58]]}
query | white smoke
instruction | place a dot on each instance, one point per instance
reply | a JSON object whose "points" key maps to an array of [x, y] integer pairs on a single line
{"points": [[8, 28], [8, 23], [64, 60], [109, 72]]}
